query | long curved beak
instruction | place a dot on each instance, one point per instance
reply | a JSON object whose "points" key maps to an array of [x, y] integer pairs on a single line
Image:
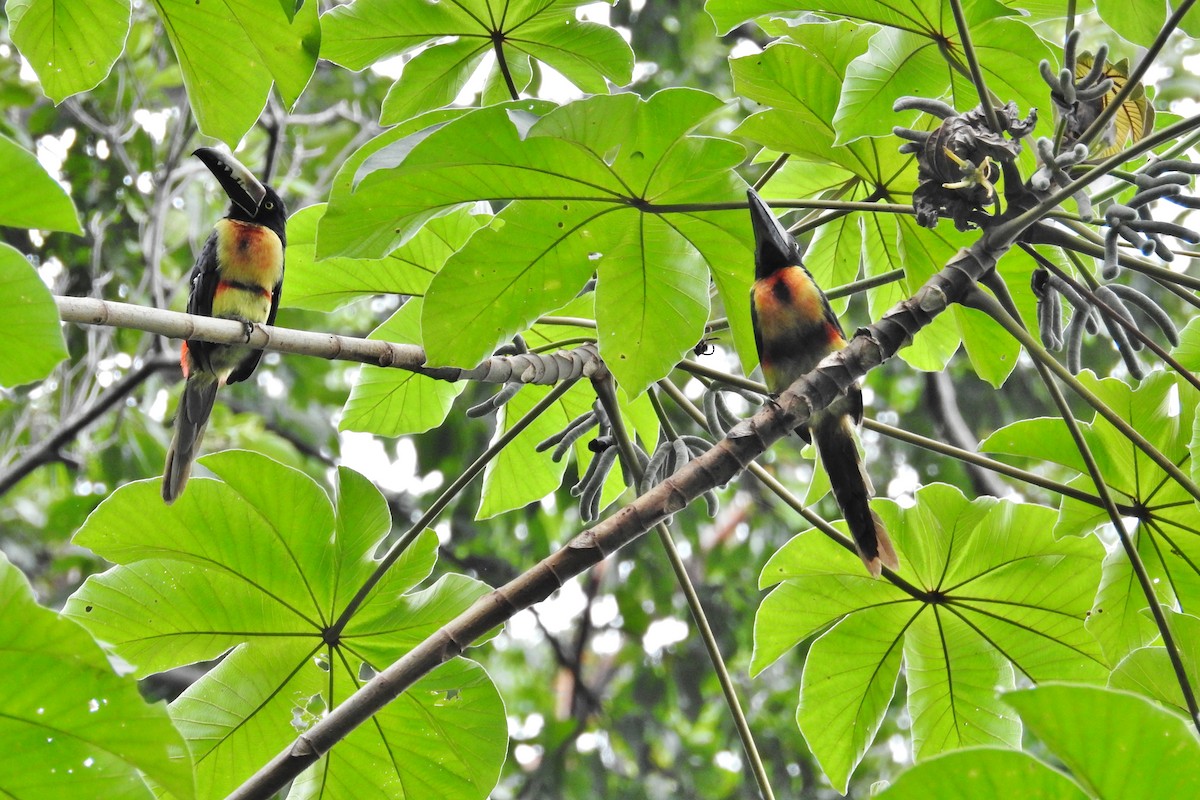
{"points": [[238, 182], [774, 247]]}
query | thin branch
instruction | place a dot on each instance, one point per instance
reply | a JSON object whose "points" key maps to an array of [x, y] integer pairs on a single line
{"points": [[525, 368], [47, 450], [770, 171], [606, 391], [980, 460]]}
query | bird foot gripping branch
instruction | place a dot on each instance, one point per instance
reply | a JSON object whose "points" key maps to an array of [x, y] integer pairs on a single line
{"points": [[238, 275]]}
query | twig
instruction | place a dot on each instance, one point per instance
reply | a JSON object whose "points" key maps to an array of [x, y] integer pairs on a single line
{"points": [[47, 450]]}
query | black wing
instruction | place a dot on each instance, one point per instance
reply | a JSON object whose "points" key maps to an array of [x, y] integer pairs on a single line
{"points": [[204, 280]]}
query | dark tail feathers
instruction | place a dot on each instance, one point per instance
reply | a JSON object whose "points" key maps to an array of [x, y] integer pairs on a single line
{"points": [[194, 408], [852, 489]]}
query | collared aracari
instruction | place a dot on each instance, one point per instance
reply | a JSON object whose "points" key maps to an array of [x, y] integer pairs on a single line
{"points": [[794, 329], [238, 275]]}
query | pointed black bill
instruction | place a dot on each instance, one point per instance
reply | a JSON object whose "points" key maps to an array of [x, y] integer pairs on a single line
{"points": [[774, 247], [239, 183]]}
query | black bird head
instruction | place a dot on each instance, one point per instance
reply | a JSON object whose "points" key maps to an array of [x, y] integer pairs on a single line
{"points": [[774, 247], [251, 200]]}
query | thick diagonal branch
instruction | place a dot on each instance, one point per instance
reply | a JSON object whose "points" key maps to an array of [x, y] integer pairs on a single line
{"points": [[748, 440]]}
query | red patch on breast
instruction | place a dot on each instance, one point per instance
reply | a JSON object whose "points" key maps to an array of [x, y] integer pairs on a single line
{"points": [[248, 236]]}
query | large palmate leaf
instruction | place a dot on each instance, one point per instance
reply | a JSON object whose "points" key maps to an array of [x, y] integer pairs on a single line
{"points": [[231, 51], [613, 186], [34, 342], [71, 727], [258, 568], [1163, 410], [983, 594], [457, 36], [71, 44]]}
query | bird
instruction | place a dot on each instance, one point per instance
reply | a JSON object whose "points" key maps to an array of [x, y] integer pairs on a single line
{"points": [[794, 329], [238, 275]]}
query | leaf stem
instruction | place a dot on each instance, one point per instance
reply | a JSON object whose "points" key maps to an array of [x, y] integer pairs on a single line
{"points": [[606, 391], [964, 34]]}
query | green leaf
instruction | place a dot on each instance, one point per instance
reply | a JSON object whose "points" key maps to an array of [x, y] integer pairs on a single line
{"points": [[1116, 618], [1157, 749], [71, 44], [361, 33], [650, 307], [531, 261], [396, 402], [1040, 439], [580, 178], [982, 773], [33, 342], [992, 594], [71, 727], [333, 282], [943, 651], [231, 51], [848, 682], [1188, 349], [1163, 410], [259, 566], [432, 79], [29, 197], [897, 63], [903, 14], [1138, 23], [1148, 670]]}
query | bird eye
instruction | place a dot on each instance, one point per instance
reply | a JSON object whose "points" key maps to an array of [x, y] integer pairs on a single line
{"points": [[269, 205]]}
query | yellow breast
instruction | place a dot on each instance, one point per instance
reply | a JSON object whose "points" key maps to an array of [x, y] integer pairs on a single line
{"points": [[249, 253]]}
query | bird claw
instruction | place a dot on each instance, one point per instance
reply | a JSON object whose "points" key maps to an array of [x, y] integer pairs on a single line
{"points": [[249, 328]]}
